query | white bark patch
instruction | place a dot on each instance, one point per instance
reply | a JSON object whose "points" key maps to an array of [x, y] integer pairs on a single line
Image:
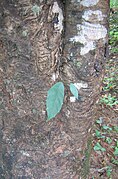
{"points": [[57, 9], [87, 35], [24, 153], [93, 15], [55, 76], [72, 99], [81, 85], [88, 3]]}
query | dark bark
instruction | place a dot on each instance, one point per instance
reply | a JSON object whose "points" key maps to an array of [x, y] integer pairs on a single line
{"points": [[35, 50]]}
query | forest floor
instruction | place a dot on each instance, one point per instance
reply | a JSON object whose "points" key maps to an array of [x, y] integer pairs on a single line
{"points": [[104, 156]]}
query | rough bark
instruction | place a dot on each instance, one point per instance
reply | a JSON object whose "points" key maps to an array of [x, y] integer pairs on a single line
{"points": [[85, 50], [37, 49]]}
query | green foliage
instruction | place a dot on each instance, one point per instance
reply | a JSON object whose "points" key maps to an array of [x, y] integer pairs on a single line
{"points": [[98, 134], [113, 36], [116, 149], [109, 100], [99, 121], [106, 127], [99, 147], [109, 171], [114, 50], [110, 83], [113, 3], [74, 90], [116, 129], [113, 33], [114, 161], [55, 100], [111, 79], [108, 140]]}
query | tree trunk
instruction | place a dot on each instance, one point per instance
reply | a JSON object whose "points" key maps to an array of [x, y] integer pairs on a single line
{"points": [[43, 42]]}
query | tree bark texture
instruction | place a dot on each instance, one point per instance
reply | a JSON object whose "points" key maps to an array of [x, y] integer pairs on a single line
{"points": [[43, 42]]}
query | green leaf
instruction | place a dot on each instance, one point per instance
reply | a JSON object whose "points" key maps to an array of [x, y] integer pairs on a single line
{"points": [[116, 151], [116, 128], [99, 121], [114, 161], [109, 171], [98, 134], [74, 90], [107, 128], [108, 140], [99, 147], [55, 99]]}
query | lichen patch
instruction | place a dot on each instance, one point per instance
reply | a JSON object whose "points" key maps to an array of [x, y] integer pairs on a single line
{"points": [[88, 3], [81, 85], [93, 15], [88, 34]]}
